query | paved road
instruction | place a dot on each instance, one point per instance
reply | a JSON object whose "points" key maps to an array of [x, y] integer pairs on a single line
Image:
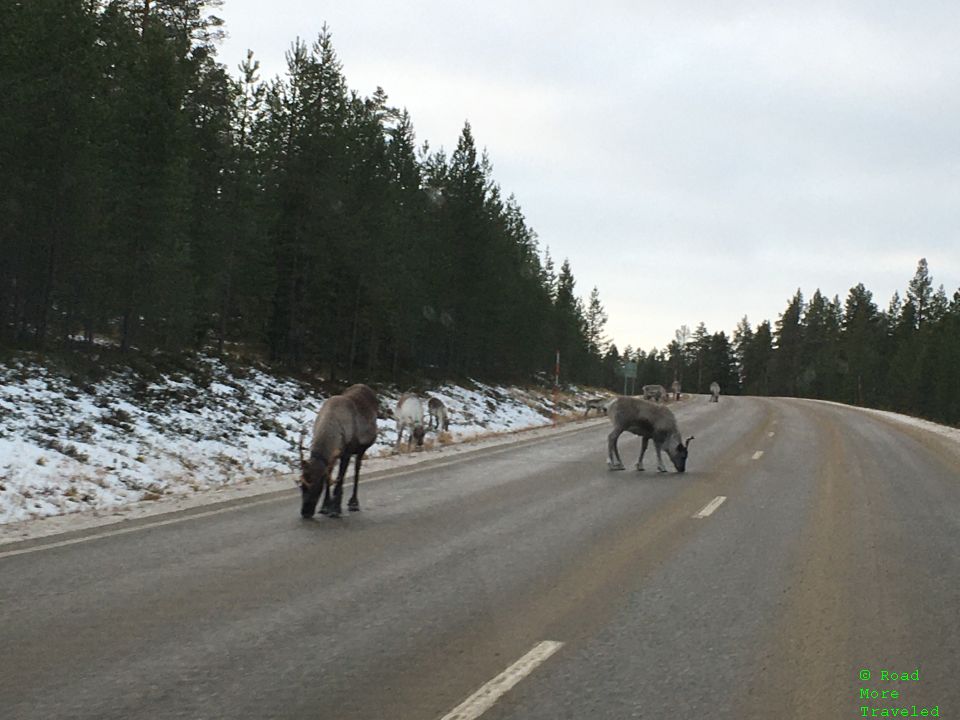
{"points": [[836, 550]]}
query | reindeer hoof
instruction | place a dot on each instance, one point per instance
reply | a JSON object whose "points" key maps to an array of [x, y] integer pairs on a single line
{"points": [[661, 469], [334, 514], [617, 467], [353, 507], [639, 468]]}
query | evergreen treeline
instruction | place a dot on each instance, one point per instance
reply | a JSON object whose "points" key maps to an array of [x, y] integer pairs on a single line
{"points": [[150, 196], [904, 358]]}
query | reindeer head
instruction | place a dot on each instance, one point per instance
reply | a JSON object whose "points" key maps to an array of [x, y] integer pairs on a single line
{"points": [[314, 476], [678, 454]]}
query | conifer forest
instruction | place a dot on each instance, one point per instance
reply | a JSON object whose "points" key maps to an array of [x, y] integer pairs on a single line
{"points": [[155, 197]]}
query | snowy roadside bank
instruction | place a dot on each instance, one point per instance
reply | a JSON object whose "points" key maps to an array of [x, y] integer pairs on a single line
{"points": [[70, 446]]}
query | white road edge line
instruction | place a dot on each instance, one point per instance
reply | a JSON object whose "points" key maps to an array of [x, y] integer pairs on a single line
{"points": [[757, 455], [771, 433], [710, 507], [124, 531], [484, 698]]}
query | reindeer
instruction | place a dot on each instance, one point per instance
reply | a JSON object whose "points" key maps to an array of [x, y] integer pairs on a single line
{"points": [[655, 392], [599, 404], [676, 389], [648, 420], [345, 426], [438, 414], [409, 414], [714, 391]]}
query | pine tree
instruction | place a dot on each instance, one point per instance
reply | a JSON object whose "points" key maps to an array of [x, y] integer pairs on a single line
{"points": [[758, 361], [721, 363], [789, 344], [570, 326], [862, 334], [48, 77], [596, 320], [742, 339], [701, 354], [678, 352], [920, 292], [819, 363]]}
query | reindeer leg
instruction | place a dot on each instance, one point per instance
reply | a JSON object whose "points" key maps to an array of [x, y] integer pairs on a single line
{"points": [[325, 505], [613, 454], [335, 502], [643, 449], [354, 504], [660, 466]]}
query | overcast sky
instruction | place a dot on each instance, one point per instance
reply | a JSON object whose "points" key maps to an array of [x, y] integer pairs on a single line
{"points": [[694, 160]]}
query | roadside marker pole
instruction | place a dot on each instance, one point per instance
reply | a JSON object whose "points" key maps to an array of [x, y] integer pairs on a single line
{"points": [[556, 388]]}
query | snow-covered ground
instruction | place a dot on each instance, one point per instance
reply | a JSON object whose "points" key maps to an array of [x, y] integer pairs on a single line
{"points": [[69, 445]]}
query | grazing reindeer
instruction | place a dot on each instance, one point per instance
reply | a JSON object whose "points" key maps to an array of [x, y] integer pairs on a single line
{"points": [[676, 389], [648, 420], [714, 391], [654, 392], [599, 404], [438, 414], [409, 414], [345, 426]]}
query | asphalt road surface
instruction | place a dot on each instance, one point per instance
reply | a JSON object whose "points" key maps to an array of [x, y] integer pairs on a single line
{"points": [[836, 551]]}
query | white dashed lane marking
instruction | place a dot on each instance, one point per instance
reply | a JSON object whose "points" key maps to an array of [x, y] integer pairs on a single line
{"points": [[757, 455], [710, 507], [484, 698]]}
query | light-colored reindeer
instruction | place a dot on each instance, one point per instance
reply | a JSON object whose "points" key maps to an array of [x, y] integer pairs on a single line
{"points": [[598, 403], [654, 392], [714, 391], [409, 416]]}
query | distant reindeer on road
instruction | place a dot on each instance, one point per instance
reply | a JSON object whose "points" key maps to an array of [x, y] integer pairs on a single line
{"points": [[676, 389], [714, 392], [654, 392]]}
